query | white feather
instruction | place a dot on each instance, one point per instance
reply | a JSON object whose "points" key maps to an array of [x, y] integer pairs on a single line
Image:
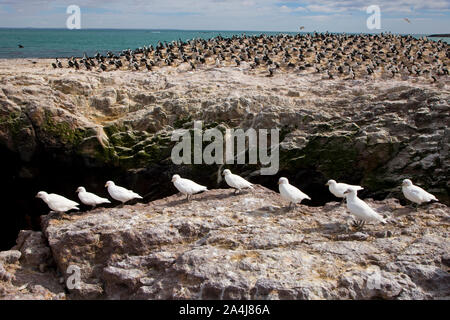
{"points": [[291, 193], [235, 181], [186, 186], [416, 194], [338, 188], [120, 193], [360, 209], [90, 199], [57, 203]]}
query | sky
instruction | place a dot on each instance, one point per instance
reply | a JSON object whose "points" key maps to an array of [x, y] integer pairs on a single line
{"points": [[424, 16]]}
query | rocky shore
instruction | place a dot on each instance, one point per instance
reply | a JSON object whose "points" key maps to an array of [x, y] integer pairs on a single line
{"points": [[61, 128], [225, 246]]}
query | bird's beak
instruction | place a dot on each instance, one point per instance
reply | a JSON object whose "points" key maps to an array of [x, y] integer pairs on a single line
{"points": [[106, 185], [279, 182], [327, 184]]}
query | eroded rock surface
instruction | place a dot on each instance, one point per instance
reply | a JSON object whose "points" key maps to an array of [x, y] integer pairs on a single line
{"points": [[247, 246], [27, 271], [373, 132]]}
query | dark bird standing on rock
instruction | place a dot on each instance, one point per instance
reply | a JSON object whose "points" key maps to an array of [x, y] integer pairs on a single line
{"points": [[352, 56]]}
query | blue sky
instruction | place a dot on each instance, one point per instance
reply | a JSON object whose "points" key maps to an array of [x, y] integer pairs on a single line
{"points": [[263, 15]]}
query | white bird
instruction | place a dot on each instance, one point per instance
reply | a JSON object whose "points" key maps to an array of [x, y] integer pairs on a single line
{"points": [[235, 181], [186, 186], [416, 194], [361, 210], [120, 193], [57, 203], [291, 193], [89, 198], [338, 189]]}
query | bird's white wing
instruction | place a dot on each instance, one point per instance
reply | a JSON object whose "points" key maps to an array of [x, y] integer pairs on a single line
{"points": [[192, 187], [125, 192], [122, 190], [239, 182], [56, 198], [421, 194], [136, 195], [295, 193], [96, 199], [344, 187], [363, 210], [414, 191]]}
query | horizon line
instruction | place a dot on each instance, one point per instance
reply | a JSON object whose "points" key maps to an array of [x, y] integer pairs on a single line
{"points": [[216, 30]]}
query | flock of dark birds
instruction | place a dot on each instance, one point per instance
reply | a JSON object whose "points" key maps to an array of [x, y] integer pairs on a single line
{"points": [[334, 55]]}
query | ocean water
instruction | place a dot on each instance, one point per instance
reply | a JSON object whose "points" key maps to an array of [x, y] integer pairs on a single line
{"points": [[50, 43]]}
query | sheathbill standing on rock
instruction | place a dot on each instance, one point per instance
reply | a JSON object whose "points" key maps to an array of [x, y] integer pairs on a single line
{"points": [[120, 193], [57, 203], [416, 194], [338, 189], [291, 193], [361, 210], [235, 181], [89, 198], [187, 187]]}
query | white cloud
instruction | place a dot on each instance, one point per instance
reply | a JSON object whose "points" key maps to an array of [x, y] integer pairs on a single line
{"points": [[265, 15], [285, 9]]}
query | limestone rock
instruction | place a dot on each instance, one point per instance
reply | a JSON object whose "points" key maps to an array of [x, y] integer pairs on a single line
{"points": [[246, 246]]}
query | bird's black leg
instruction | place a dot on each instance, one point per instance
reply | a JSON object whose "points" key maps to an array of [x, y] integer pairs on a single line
{"points": [[358, 224], [342, 202]]}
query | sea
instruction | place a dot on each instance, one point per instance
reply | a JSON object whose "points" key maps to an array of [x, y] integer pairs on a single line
{"points": [[51, 43]]}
